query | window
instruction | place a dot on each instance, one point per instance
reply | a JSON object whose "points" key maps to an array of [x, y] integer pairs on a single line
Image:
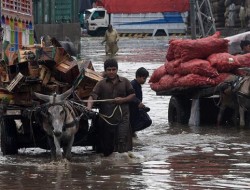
{"points": [[98, 15]]}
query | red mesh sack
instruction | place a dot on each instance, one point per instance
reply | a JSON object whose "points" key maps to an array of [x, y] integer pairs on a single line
{"points": [[202, 48], [193, 80], [172, 52], [156, 87], [223, 62], [167, 82], [220, 78], [199, 67], [216, 35], [171, 67], [157, 74], [244, 60]]}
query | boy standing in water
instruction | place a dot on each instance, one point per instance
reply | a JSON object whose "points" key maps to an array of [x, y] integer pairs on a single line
{"points": [[139, 119]]}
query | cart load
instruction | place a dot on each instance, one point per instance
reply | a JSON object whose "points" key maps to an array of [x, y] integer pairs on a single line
{"points": [[192, 74], [197, 63], [50, 72], [45, 70]]}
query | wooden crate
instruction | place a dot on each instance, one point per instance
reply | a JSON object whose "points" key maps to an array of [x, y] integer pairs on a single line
{"points": [[22, 98], [12, 58], [23, 94], [66, 71], [18, 78], [5, 94], [4, 77], [13, 70], [87, 83], [46, 53], [23, 54], [96, 76], [85, 64], [61, 55]]}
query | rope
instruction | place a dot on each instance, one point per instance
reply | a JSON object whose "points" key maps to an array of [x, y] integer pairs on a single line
{"points": [[83, 109], [105, 117], [106, 100]]}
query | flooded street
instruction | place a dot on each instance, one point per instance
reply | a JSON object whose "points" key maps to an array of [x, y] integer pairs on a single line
{"points": [[164, 157]]}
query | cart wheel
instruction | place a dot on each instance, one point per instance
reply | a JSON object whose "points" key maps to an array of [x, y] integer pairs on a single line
{"points": [[179, 110], [8, 137]]}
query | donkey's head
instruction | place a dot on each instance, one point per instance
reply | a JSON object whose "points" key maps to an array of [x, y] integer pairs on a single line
{"points": [[54, 98], [57, 112]]}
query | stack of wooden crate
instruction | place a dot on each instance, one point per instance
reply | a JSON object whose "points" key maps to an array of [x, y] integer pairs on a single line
{"points": [[46, 70]]}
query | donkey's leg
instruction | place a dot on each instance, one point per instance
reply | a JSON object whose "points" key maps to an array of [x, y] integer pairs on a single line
{"points": [[67, 149], [236, 115], [57, 148], [220, 115], [52, 147], [242, 116]]}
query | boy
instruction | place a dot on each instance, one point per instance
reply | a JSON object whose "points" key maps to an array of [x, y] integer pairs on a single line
{"points": [[139, 119]]}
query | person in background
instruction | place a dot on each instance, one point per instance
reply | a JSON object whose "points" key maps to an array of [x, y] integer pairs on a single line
{"points": [[242, 15], [115, 93], [111, 38], [139, 119], [231, 14], [94, 4], [245, 46]]}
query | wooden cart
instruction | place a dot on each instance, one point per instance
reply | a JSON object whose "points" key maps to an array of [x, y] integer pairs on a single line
{"points": [[194, 106], [45, 71]]}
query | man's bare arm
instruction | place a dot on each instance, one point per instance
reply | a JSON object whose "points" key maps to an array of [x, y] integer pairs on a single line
{"points": [[120, 100]]}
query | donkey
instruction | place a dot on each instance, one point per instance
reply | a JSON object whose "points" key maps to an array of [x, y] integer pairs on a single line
{"points": [[235, 93], [228, 99], [243, 95], [59, 122]]}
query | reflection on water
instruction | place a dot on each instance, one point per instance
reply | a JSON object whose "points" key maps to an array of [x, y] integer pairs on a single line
{"points": [[164, 157], [179, 158]]}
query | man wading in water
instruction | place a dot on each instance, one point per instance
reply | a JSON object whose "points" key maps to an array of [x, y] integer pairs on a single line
{"points": [[111, 38], [114, 92]]}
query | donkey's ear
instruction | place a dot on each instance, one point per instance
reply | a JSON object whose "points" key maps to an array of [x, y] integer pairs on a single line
{"points": [[43, 97], [65, 95], [246, 69]]}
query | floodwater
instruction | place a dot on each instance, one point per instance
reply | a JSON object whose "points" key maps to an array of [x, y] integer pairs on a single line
{"points": [[164, 157]]}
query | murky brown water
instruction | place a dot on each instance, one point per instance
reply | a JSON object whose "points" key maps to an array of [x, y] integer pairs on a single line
{"points": [[164, 157]]}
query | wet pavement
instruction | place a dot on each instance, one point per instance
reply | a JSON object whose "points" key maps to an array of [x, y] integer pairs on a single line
{"points": [[164, 157]]}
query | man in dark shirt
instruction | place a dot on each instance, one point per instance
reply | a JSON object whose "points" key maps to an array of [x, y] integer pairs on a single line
{"points": [[113, 126], [245, 46], [139, 119]]}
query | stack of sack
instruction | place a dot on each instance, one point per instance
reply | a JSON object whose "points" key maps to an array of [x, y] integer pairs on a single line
{"points": [[197, 63], [218, 8]]}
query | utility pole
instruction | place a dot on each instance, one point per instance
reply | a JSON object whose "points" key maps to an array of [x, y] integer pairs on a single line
{"points": [[193, 19], [202, 15], [1, 33]]}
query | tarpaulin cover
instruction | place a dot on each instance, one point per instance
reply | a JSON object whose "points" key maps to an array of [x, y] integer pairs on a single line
{"points": [[145, 6]]}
